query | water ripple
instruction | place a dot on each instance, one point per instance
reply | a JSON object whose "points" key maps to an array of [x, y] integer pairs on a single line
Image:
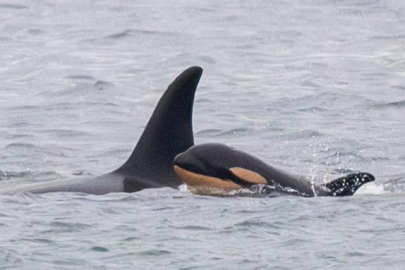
{"points": [[12, 6]]}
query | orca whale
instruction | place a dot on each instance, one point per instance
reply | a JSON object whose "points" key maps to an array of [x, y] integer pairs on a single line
{"points": [[217, 169], [168, 133]]}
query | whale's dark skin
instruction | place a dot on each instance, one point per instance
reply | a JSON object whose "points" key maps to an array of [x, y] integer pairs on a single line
{"points": [[168, 133], [207, 168]]}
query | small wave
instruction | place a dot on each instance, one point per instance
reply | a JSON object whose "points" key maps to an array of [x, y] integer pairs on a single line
{"points": [[82, 173], [12, 6], [339, 153], [395, 104], [248, 224], [234, 131], [85, 83], [130, 32], [194, 228], [209, 131], [305, 133], [99, 249], [36, 31], [24, 108], [219, 133], [206, 59], [81, 77], [62, 226], [340, 171], [29, 175], [66, 133], [16, 136], [314, 109], [310, 84], [102, 85], [25, 148], [390, 37], [203, 100], [154, 252], [19, 146], [396, 185], [6, 175], [120, 35]]}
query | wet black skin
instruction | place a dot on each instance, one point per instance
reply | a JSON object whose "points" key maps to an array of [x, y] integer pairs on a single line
{"points": [[215, 160]]}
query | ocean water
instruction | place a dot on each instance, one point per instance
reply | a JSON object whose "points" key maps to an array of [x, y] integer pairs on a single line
{"points": [[316, 88]]}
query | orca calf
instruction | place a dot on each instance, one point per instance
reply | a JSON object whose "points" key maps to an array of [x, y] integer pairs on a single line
{"points": [[168, 133], [216, 169]]}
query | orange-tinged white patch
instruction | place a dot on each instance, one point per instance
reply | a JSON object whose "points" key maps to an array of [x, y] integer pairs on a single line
{"points": [[205, 185], [249, 176]]}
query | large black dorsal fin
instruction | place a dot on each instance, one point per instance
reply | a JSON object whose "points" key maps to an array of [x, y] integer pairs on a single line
{"points": [[349, 184], [169, 130]]}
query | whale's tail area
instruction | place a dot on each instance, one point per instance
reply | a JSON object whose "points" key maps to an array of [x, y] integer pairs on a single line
{"points": [[168, 133], [349, 184]]}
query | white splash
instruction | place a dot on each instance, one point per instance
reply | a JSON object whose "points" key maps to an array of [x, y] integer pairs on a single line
{"points": [[371, 188]]}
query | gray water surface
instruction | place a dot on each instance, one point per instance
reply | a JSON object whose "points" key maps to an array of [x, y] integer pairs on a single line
{"points": [[316, 88]]}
